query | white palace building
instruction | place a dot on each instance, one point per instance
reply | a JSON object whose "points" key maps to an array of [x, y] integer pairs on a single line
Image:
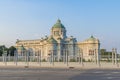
{"points": [[59, 45]]}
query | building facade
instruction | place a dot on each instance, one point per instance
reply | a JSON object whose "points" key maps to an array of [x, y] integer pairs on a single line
{"points": [[60, 45]]}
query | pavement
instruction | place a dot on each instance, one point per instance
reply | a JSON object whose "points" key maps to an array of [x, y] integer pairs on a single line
{"points": [[37, 73], [21, 73], [98, 74], [59, 71], [85, 65]]}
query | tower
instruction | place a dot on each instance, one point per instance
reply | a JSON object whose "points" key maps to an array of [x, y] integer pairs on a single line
{"points": [[58, 30]]}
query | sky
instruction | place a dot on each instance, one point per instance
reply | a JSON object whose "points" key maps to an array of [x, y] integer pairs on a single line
{"points": [[33, 19]]}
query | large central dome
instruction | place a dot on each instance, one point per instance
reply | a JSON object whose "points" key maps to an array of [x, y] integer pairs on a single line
{"points": [[58, 24]]}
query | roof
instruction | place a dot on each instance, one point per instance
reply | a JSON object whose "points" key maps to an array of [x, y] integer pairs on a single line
{"points": [[92, 39], [51, 40], [58, 24]]}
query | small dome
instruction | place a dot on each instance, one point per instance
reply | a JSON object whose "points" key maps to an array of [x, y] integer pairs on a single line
{"points": [[51, 40], [92, 39], [58, 24]]}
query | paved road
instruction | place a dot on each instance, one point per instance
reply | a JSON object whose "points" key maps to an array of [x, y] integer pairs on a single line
{"points": [[58, 74], [37, 74], [99, 74]]}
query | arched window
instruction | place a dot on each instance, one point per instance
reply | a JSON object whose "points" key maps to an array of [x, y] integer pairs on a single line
{"points": [[91, 52], [56, 33]]}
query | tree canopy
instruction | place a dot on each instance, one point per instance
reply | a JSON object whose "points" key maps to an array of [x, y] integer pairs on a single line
{"points": [[9, 51]]}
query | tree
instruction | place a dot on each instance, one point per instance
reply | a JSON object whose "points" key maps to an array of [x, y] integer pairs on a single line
{"points": [[3, 49], [103, 51], [11, 50], [106, 54]]}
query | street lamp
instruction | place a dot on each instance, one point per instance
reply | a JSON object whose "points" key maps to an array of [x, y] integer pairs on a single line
{"points": [[67, 57], [95, 55], [53, 57], [51, 54], [115, 56], [15, 56], [81, 54], [39, 57], [112, 55]]}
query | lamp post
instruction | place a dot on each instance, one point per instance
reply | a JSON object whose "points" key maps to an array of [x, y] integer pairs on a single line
{"points": [[53, 57], [96, 55], [112, 55], [81, 52], [3, 55], [9, 55], [93, 55], [99, 58], [50, 56], [79, 56], [115, 56], [58, 54], [40, 57], [15, 56], [67, 57], [94, 52], [64, 56], [27, 57]]}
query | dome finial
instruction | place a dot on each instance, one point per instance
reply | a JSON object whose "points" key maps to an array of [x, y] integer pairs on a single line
{"points": [[58, 21], [58, 24], [92, 36]]}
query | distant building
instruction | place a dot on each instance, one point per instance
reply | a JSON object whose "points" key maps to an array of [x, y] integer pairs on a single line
{"points": [[59, 44]]}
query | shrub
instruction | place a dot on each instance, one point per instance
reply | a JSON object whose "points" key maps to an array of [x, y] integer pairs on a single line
{"points": [[44, 60], [72, 60]]}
